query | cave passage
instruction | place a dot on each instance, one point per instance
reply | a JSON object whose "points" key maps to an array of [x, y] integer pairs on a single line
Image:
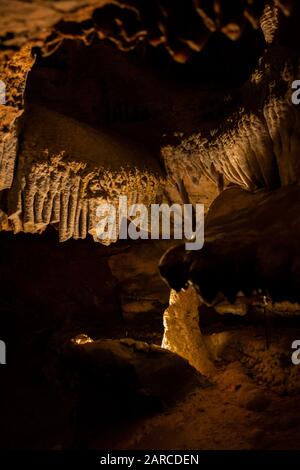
{"points": [[137, 345]]}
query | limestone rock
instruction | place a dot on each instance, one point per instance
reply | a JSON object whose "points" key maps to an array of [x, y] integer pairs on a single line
{"points": [[112, 379], [242, 253], [253, 149], [182, 334]]}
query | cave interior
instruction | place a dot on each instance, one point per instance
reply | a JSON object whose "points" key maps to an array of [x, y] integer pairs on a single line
{"points": [[142, 344]]}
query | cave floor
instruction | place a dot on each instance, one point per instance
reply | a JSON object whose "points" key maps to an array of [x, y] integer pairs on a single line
{"points": [[249, 405], [215, 419], [209, 419], [253, 402]]}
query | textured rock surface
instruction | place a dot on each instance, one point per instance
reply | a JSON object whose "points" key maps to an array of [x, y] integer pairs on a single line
{"points": [[235, 414], [254, 146], [271, 367], [182, 334], [128, 23], [251, 247], [8, 145], [67, 169], [13, 73]]}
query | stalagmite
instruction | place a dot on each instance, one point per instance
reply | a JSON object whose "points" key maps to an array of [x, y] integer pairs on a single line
{"points": [[182, 333]]}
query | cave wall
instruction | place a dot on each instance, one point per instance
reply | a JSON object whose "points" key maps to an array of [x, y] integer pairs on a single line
{"points": [[247, 149]]}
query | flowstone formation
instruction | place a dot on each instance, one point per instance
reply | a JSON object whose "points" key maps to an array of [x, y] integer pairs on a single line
{"points": [[253, 147]]}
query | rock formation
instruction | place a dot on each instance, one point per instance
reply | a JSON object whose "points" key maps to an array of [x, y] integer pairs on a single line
{"points": [[61, 169], [158, 101], [182, 334], [253, 147]]}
